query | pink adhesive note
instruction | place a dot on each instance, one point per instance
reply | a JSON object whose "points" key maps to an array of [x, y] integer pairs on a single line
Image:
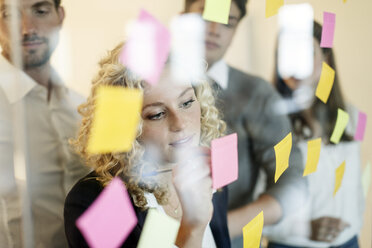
{"points": [[328, 32], [110, 218], [362, 121], [224, 164], [147, 48]]}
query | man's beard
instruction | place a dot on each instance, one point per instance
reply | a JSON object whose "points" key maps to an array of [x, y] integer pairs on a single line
{"points": [[34, 58]]}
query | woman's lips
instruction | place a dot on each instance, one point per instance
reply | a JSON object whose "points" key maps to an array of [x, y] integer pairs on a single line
{"points": [[182, 142]]}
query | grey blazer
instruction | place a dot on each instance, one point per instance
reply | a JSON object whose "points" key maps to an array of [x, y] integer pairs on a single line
{"points": [[248, 107]]}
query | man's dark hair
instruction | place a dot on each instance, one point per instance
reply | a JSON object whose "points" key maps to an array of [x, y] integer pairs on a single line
{"points": [[242, 6], [57, 3]]}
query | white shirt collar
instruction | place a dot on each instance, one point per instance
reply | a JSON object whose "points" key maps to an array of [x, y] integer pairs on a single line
{"points": [[219, 72], [14, 82]]}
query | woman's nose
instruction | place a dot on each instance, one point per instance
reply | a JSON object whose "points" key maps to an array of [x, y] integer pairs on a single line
{"points": [[177, 123]]}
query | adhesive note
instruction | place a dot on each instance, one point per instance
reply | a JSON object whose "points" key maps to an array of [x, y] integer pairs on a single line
{"points": [[328, 31], [282, 153], [252, 232], [295, 41], [341, 123], [159, 230], [361, 126], [224, 160], [272, 7], [116, 117], [147, 49], [217, 11], [339, 175], [366, 179], [313, 153], [110, 218], [188, 48], [325, 84]]}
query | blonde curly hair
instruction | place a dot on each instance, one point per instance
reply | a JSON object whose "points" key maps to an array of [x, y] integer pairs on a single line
{"points": [[128, 165]]}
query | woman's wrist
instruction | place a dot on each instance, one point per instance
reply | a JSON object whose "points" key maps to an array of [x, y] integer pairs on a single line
{"points": [[190, 234]]}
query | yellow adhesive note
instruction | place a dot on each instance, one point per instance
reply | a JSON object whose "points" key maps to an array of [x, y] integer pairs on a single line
{"points": [[339, 176], [252, 232], [366, 179], [313, 153], [341, 123], [282, 153], [325, 84], [159, 230], [217, 11], [272, 7], [116, 117]]}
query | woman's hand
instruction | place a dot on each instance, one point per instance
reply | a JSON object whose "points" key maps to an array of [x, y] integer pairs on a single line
{"points": [[327, 229], [193, 184]]}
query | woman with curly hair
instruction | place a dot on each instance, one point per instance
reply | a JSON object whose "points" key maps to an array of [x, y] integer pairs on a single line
{"points": [[175, 119]]}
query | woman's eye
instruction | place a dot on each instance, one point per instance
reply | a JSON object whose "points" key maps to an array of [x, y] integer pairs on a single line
{"points": [[156, 117], [188, 103]]}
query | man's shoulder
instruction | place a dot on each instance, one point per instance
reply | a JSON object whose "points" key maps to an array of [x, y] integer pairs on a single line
{"points": [[75, 97], [254, 85]]}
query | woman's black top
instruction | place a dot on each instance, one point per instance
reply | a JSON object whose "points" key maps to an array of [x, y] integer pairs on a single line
{"points": [[87, 189]]}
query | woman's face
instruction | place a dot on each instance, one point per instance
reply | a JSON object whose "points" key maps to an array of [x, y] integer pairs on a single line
{"points": [[171, 116], [313, 79]]}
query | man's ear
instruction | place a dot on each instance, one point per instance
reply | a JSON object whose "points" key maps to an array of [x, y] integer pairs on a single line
{"points": [[61, 14]]}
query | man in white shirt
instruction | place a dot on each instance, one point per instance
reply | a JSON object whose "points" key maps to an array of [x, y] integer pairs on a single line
{"points": [[51, 119]]}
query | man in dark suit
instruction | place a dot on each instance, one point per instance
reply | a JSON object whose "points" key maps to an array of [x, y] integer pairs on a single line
{"points": [[248, 106]]}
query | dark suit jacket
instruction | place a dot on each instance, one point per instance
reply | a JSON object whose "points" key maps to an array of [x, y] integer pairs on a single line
{"points": [[87, 190], [249, 107]]}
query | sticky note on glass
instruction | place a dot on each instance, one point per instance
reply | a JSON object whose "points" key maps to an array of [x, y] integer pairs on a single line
{"points": [[110, 218], [252, 232], [147, 48], [272, 7], [282, 153], [313, 153], [361, 126], [341, 123], [224, 160], [159, 230], [188, 48], [328, 31], [325, 84], [116, 117], [217, 11], [295, 42], [366, 179], [339, 175]]}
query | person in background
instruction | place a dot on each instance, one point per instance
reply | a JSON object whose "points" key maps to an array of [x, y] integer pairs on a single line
{"points": [[50, 120], [175, 119], [248, 107], [325, 221]]}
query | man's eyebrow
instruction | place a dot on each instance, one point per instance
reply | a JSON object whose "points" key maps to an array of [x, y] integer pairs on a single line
{"points": [[42, 4], [4, 7], [233, 18]]}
